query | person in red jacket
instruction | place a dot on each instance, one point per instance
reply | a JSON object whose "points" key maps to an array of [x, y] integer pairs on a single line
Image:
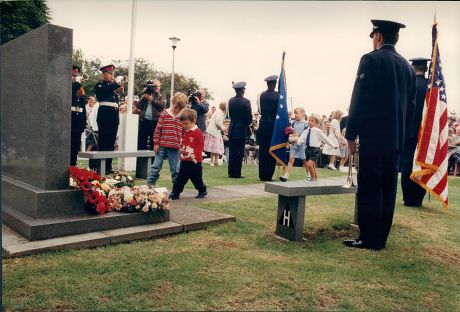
{"points": [[191, 156]]}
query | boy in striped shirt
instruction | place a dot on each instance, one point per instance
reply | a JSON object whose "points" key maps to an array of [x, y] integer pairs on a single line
{"points": [[167, 138]]}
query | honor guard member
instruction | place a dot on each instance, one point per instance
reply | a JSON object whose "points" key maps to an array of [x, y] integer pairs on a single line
{"points": [[383, 92], [412, 192], [108, 113], [78, 111], [268, 105], [240, 114]]}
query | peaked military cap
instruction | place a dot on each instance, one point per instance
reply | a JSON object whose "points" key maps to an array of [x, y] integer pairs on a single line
{"points": [[385, 26], [239, 85], [76, 70], [419, 61], [271, 78], [107, 68]]}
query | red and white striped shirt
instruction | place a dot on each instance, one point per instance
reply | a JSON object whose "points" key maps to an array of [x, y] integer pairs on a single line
{"points": [[169, 130]]}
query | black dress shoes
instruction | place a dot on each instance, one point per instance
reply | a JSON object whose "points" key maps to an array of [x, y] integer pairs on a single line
{"points": [[173, 196], [357, 243]]}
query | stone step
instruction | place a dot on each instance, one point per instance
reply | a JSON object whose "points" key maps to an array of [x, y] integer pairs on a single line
{"points": [[15, 245], [46, 228]]}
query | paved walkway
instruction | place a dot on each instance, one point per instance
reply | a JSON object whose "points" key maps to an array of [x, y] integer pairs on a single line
{"points": [[183, 218]]}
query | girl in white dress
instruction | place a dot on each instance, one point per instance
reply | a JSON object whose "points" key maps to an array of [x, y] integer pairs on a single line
{"points": [[335, 137]]}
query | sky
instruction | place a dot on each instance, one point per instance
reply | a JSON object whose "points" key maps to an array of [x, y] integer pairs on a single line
{"points": [[225, 41]]}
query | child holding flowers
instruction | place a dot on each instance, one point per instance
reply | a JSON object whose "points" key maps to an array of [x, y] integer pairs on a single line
{"points": [[191, 157]]}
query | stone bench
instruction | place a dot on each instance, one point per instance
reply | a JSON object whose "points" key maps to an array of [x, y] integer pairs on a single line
{"points": [[144, 160], [291, 202]]}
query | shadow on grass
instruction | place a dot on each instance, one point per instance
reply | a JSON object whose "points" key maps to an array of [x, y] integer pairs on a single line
{"points": [[337, 231]]}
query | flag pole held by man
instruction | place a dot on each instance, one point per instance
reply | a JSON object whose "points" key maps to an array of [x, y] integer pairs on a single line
{"points": [[430, 162], [279, 138]]}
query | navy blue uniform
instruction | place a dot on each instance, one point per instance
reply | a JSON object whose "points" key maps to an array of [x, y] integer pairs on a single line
{"points": [[240, 114], [383, 92], [78, 122], [107, 117], [412, 192], [268, 107]]}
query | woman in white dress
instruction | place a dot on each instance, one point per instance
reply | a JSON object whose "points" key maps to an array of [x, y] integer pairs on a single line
{"points": [[335, 137], [213, 141]]}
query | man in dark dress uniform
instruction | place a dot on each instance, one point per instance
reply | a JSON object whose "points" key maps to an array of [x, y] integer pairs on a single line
{"points": [[240, 113], [78, 111], [412, 192], [108, 113], [384, 91], [268, 104]]}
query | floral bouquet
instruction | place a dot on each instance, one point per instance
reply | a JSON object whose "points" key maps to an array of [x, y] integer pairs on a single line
{"points": [[293, 137], [94, 191], [119, 180], [141, 198]]}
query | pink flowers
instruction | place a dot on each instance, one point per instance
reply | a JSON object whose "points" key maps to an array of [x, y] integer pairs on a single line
{"points": [[289, 130]]}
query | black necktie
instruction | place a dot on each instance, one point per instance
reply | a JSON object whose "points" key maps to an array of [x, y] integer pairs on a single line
{"points": [[308, 138]]}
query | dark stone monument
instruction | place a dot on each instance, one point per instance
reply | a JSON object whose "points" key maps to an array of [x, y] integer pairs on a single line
{"points": [[35, 124], [292, 199]]}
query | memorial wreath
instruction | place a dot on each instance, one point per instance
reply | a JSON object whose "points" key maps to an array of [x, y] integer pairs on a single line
{"points": [[117, 193]]}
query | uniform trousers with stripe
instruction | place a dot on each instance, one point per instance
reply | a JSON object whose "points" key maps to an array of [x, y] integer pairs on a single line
{"points": [[107, 138], [377, 182]]}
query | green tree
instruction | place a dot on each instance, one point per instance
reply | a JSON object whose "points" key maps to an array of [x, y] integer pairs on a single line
{"points": [[143, 71], [19, 17]]}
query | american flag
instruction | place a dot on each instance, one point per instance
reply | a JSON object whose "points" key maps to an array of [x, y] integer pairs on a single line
{"points": [[430, 160]]}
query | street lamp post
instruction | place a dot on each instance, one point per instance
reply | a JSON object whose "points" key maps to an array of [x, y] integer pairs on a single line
{"points": [[174, 41]]}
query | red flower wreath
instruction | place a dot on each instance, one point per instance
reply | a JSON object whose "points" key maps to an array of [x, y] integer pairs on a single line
{"points": [[84, 179]]}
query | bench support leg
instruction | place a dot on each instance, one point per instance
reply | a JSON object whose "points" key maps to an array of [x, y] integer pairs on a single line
{"points": [[143, 166], [101, 168], [290, 217]]}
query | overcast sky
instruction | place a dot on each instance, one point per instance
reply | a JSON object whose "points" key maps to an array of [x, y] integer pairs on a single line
{"points": [[230, 41]]}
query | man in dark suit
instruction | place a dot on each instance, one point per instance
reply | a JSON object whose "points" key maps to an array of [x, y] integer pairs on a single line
{"points": [[384, 90], [412, 192], [78, 111], [268, 105], [240, 113], [108, 113]]}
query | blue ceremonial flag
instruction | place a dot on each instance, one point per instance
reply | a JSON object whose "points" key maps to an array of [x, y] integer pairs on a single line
{"points": [[279, 137]]}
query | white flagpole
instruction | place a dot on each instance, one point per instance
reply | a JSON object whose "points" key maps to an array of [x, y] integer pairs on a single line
{"points": [[129, 121]]}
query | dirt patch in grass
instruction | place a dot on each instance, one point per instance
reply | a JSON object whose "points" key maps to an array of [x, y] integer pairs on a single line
{"points": [[162, 290], [444, 255], [326, 299], [220, 244], [335, 232]]}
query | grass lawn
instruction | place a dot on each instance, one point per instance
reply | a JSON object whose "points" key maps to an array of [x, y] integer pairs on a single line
{"points": [[218, 176], [241, 266]]}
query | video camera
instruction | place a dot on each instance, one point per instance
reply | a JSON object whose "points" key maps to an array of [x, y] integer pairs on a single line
{"points": [[194, 96], [149, 89]]}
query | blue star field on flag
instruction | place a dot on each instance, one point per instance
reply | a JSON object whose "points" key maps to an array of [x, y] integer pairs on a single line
{"points": [[279, 138]]}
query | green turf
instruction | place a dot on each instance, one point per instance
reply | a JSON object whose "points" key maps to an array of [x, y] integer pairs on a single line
{"points": [[241, 266], [218, 176]]}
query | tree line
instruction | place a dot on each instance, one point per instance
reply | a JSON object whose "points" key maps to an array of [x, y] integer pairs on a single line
{"points": [[143, 71]]}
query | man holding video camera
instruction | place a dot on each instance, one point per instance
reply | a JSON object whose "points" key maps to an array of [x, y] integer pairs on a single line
{"points": [[201, 106], [149, 108]]}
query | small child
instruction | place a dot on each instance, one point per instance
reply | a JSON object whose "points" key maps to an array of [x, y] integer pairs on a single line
{"points": [[297, 150], [191, 156], [167, 138], [312, 138]]}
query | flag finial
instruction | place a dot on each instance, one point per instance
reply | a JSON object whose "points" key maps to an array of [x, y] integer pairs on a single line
{"points": [[435, 16]]}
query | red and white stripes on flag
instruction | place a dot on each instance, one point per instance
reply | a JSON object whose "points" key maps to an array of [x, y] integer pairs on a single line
{"points": [[430, 160]]}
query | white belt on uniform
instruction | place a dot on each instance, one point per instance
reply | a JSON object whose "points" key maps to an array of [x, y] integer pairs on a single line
{"points": [[77, 109], [111, 104]]}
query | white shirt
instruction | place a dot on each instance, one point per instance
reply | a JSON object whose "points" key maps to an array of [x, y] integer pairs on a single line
{"points": [[92, 118], [317, 137]]}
